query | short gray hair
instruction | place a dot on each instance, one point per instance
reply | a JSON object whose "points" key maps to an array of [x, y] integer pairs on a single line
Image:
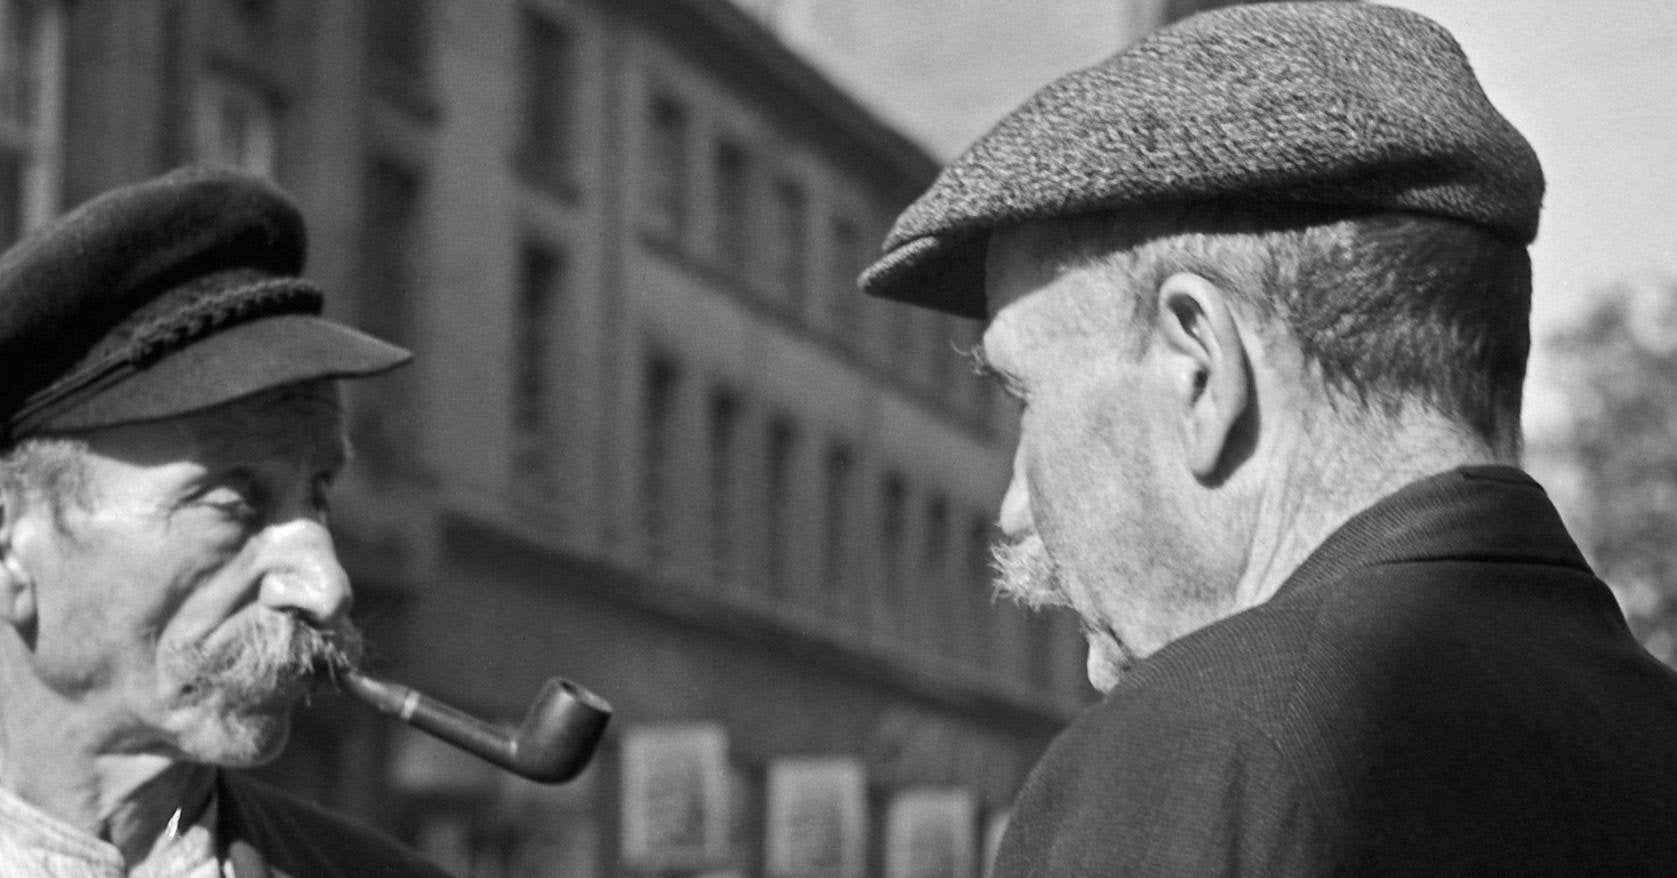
{"points": [[1389, 307], [48, 469]]}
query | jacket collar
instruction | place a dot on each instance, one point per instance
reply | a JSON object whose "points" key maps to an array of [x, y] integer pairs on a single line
{"points": [[1472, 513]]}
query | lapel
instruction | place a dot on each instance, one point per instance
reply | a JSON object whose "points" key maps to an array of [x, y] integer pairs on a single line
{"points": [[233, 835]]}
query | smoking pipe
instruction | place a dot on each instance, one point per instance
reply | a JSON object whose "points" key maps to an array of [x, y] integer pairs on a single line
{"points": [[554, 743]]}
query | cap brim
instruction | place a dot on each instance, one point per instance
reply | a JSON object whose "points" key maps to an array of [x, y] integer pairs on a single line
{"points": [[231, 364], [941, 272]]}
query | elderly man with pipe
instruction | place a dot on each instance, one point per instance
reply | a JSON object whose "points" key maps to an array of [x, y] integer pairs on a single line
{"points": [[1260, 286], [168, 587]]}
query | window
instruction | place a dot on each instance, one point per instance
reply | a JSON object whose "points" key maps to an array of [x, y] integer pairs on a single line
{"points": [[971, 388], [389, 244], [893, 539], [906, 340], [941, 356], [783, 438], [539, 279], [938, 595], [733, 208], [836, 524], [659, 417], [398, 47], [788, 245], [547, 144], [844, 262], [889, 332], [979, 591], [666, 171], [31, 114], [237, 126], [724, 454], [1010, 643]]}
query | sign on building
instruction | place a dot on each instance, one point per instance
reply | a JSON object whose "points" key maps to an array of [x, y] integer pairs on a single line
{"points": [[817, 818], [931, 833], [675, 796]]}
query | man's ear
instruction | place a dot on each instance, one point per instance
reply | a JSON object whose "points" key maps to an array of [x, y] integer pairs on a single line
{"points": [[17, 585], [1207, 368]]}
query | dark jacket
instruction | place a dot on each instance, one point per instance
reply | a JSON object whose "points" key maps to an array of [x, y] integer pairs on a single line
{"points": [[1442, 688], [268, 834]]}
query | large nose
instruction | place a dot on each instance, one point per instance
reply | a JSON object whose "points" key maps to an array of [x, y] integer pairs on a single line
{"points": [[303, 575], [1015, 520]]}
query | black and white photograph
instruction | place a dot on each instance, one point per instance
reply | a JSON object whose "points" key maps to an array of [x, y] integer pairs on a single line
{"points": [[838, 438]]}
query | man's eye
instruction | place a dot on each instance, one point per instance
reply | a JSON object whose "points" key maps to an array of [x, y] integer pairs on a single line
{"points": [[234, 498], [1009, 385], [320, 495], [1009, 388], [233, 505]]}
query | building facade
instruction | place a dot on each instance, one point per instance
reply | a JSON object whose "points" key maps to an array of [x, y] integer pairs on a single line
{"points": [[653, 439]]}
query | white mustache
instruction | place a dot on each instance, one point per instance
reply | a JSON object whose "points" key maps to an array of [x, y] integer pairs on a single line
{"points": [[1025, 573], [263, 655]]}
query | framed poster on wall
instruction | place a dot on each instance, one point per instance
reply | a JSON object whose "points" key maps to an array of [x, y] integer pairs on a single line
{"points": [[931, 833], [675, 797], [817, 818]]}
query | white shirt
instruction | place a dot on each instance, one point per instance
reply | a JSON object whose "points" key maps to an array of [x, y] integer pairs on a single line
{"points": [[35, 844]]}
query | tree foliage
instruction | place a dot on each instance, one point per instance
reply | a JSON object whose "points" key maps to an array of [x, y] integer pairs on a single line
{"points": [[1617, 373]]}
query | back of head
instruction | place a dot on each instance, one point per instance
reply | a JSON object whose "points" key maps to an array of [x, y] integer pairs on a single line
{"points": [[1388, 310], [1351, 139]]}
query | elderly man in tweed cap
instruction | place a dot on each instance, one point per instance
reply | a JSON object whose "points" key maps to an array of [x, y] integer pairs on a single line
{"points": [[169, 433], [1260, 286]]}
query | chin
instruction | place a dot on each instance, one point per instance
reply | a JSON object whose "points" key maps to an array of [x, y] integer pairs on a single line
{"points": [[243, 739], [1103, 670]]}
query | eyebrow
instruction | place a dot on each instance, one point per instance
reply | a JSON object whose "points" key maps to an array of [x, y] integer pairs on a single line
{"points": [[984, 367], [244, 434]]}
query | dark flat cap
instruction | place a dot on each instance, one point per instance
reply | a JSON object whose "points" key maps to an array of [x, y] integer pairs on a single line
{"points": [[163, 298], [1335, 104]]}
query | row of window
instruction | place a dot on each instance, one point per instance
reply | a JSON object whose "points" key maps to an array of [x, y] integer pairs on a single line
{"points": [[234, 119], [718, 201], [763, 222], [800, 521], [31, 110], [781, 249], [724, 203], [748, 501]]}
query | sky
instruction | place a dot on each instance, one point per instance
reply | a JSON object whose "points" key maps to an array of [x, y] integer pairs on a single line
{"points": [[1591, 83], [1593, 86]]}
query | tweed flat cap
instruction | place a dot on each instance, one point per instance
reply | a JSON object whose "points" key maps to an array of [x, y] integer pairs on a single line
{"points": [[162, 298], [1336, 104]]}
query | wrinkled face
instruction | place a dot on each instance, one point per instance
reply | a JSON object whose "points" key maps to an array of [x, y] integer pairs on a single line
{"points": [[188, 596], [1089, 518]]}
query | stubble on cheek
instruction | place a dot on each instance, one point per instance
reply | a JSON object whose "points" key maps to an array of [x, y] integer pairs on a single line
{"points": [[1028, 575]]}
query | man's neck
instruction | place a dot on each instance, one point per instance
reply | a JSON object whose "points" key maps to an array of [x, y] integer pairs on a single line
{"points": [[61, 767], [1319, 485]]}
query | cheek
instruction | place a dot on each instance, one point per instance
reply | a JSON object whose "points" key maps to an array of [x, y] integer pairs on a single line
{"points": [[132, 590], [79, 627], [194, 594], [1095, 489], [1066, 490]]}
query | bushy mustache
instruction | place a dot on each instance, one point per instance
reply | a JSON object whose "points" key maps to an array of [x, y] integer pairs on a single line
{"points": [[1025, 573], [266, 653]]}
